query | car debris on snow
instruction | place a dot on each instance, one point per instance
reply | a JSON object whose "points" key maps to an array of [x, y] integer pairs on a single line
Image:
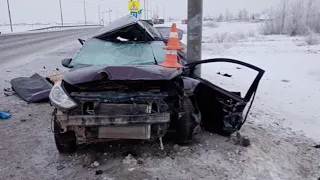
{"points": [[99, 172], [60, 167], [130, 160], [96, 163], [139, 161], [131, 169], [225, 74], [5, 115], [8, 91], [317, 146], [55, 77], [89, 160], [238, 139], [241, 140], [32, 89]]}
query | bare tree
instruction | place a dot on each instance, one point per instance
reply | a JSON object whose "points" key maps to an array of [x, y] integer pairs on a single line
{"points": [[297, 20], [283, 14], [253, 18], [311, 14], [317, 24], [230, 16], [220, 18], [301, 17], [244, 15], [240, 17], [226, 16]]}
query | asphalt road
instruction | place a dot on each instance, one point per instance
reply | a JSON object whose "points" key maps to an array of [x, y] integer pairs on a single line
{"points": [[27, 149], [15, 47]]}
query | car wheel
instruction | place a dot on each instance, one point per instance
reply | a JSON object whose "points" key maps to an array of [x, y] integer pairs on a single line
{"points": [[65, 142], [186, 122]]}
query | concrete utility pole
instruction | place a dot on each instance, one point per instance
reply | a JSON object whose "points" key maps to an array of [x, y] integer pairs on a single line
{"points": [[85, 12], [194, 45], [9, 15], [61, 15]]}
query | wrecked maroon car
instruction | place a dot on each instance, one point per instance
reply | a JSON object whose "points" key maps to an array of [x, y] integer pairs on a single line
{"points": [[115, 89]]}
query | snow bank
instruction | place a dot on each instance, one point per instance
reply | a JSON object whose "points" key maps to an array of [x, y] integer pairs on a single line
{"points": [[20, 28]]}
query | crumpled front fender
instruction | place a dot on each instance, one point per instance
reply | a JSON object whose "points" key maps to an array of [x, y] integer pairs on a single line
{"points": [[189, 85]]}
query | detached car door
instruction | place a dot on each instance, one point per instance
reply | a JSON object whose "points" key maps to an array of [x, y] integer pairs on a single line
{"points": [[222, 111]]}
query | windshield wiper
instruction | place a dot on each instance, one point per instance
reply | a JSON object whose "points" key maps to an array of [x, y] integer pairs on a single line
{"points": [[154, 57]]}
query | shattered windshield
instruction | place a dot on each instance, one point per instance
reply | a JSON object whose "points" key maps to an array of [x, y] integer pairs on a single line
{"points": [[155, 33], [115, 53]]}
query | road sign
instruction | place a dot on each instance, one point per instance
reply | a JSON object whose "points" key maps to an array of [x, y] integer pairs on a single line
{"points": [[135, 14], [134, 6]]}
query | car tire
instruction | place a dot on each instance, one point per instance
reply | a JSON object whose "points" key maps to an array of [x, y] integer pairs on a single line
{"points": [[65, 142], [186, 122]]}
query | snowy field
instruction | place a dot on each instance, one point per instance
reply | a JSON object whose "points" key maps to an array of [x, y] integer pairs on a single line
{"points": [[289, 91], [286, 104]]}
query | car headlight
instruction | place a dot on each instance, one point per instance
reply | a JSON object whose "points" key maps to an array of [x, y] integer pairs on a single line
{"points": [[60, 98]]}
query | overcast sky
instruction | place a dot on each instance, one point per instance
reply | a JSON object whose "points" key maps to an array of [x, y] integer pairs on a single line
{"points": [[31, 11]]}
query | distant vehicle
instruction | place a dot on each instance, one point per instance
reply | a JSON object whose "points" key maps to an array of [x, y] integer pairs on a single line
{"points": [[158, 21], [149, 21], [116, 89]]}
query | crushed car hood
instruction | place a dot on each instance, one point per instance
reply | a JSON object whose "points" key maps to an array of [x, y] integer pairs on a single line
{"points": [[144, 72]]}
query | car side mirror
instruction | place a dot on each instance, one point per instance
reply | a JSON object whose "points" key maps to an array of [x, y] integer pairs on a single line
{"points": [[180, 34], [66, 62], [81, 41]]}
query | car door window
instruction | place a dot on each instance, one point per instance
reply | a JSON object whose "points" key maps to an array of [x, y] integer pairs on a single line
{"points": [[227, 76], [231, 77]]}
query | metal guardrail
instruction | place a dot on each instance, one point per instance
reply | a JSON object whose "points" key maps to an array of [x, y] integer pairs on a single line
{"points": [[64, 27]]}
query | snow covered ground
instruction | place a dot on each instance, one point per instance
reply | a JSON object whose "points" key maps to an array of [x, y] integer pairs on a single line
{"points": [[5, 29], [290, 89], [286, 104], [282, 125]]}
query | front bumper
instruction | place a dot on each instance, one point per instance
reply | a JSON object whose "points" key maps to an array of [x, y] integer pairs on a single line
{"points": [[104, 120], [93, 128]]}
